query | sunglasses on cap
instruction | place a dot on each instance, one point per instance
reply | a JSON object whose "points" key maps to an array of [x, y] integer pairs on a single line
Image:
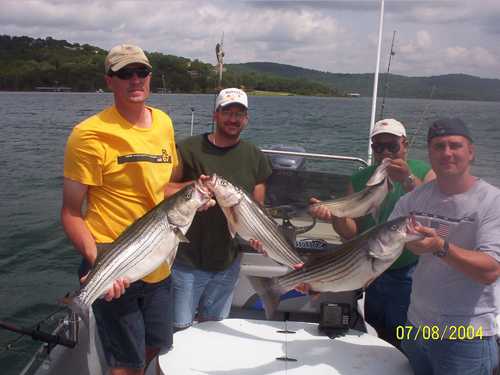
{"points": [[379, 147], [127, 73]]}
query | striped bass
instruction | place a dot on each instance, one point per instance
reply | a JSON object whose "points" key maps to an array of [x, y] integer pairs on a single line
{"points": [[365, 201], [142, 247], [352, 266], [247, 219]]}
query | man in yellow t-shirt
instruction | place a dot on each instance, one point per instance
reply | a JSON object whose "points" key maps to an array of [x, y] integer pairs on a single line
{"points": [[119, 161]]}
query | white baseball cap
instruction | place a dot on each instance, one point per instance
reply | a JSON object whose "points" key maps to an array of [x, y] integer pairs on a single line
{"points": [[389, 126], [230, 96]]}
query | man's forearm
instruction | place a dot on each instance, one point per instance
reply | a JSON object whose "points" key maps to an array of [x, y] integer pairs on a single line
{"points": [[79, 234], [345, 227], [475, 264]]}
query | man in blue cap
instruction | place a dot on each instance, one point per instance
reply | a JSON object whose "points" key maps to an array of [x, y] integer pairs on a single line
{"points": [[451, 326]]}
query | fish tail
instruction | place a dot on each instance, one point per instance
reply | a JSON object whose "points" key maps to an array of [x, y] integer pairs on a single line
{"points": [[268, 292], [78, 307]]}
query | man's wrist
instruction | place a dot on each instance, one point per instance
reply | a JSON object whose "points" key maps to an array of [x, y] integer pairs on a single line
{"points": [[409, 182], [443, 251]]}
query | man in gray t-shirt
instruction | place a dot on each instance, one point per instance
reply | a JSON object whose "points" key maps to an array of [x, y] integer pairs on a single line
{"points": [[455, 296]]}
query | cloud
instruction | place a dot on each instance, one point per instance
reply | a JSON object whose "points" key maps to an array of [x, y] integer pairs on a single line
{"points": [[476, 57], [421, 42], [335, 36], [424, 39]]}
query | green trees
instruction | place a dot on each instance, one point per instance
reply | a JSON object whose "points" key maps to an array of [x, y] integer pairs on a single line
{"points": [[29, 63]]}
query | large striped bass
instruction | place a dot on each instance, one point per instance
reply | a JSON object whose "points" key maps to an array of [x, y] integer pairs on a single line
{"points": [[142, 247], [365, 201], [353, 266], [247, 219]]}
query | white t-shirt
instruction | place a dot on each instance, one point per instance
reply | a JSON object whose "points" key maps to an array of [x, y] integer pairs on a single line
{"points": [[442, 295]]}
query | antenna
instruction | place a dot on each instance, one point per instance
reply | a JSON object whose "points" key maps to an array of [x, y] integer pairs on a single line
{"points": [[219, 51], [386, 78]]}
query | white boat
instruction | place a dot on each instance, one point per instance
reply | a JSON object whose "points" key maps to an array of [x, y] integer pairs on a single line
{"points": [[296, 310], [251, 347], [290, 344]]}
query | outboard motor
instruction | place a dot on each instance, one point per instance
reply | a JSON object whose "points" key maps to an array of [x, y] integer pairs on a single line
{"points": [[287, 161]]}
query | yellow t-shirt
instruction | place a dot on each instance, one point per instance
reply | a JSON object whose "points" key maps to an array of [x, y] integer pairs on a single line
{"points": [[126, 169]]}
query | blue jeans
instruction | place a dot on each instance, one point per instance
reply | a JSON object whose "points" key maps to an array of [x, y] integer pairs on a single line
{"points": [[141, 318], [452, 357], [387, 300], [208, 293]]}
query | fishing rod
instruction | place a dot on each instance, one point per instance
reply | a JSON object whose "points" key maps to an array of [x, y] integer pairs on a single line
{"points": [[37, 334], [386, 78], [192, 120], [421, 120]]}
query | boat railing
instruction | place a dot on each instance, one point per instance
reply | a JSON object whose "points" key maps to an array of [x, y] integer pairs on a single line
{"points": [[316, 156]]}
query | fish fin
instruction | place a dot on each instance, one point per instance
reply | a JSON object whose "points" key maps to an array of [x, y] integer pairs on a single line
{"points": [[375, 211], [369, 282], [270, 296], [232, 221], [390, 184], [181, 236], [77, 306]]}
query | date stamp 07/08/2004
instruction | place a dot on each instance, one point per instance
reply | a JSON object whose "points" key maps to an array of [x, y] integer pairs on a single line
{"points": [[429, 332]]}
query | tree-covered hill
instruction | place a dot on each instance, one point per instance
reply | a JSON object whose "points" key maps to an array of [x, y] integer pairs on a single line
{"points": [[450, 86], [29, 63]]}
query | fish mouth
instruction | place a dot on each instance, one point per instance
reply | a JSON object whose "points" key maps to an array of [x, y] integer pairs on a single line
{"points": [[203, 190], [411, 224], [210, 183], [213, 179]]}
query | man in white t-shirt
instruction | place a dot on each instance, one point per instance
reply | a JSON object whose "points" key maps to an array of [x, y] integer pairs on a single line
{"points": [[451, 326]]}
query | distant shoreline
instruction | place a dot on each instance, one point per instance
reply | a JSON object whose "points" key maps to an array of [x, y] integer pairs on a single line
{"points": [[271, 93], [253, 93]]}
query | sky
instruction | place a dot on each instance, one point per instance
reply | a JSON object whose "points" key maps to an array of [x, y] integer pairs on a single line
{"points": [[432, 37]]}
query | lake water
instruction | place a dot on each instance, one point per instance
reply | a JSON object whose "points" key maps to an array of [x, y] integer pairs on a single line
{"points": [[37, 264]]}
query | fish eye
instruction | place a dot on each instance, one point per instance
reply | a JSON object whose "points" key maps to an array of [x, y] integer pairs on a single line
{"points": [[188, 194], [394, 227]]}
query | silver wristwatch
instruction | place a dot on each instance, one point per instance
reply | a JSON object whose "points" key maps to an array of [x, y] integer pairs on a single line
{"points": [[442, 253], [409, 181]]}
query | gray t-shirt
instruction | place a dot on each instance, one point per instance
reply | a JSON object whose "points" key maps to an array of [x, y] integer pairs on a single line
{"points": [[442, 295]]}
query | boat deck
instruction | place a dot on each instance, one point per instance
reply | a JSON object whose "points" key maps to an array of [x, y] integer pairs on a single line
{"points": [[245, 346]]}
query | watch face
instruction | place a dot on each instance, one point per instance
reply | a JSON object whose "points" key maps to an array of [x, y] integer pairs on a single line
{"points": [[441, 253], [409, 181]]}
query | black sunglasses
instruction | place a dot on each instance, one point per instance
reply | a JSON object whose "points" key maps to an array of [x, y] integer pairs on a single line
{"points": [[127, 73], [379, 147]]}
